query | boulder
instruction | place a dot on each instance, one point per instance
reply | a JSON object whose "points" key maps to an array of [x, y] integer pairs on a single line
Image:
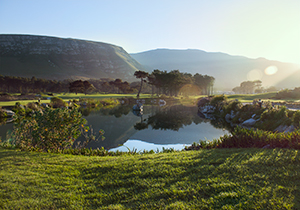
{"points": [[281, 128], [8, 112], [202, 102], [285, 128], [228, 118], [232, 115], [249, 123], [290, 129]]}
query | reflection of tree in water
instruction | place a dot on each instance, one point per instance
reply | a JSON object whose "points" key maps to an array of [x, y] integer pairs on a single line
{"points": [[117, 111], [218, 123], [85, 111], [140, 126], [170, 118]]}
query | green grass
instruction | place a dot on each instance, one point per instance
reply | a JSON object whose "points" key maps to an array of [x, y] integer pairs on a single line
{"points": [[204, 179], [98, 96], [247, 98], [71, 96], [251, 97], [23, 102]]}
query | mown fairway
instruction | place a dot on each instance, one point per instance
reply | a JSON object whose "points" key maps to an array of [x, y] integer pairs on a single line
{"points": [[206, 179], [71, 96]]}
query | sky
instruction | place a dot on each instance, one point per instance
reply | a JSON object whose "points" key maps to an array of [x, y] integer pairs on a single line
{"points": [[251, 28]]}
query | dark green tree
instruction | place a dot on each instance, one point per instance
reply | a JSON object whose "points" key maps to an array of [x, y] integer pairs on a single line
{"points": [[88, 87], [141, 75], [76, 87]]}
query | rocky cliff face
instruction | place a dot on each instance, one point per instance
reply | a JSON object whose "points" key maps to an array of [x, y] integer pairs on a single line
{"points": [[57, 58]]}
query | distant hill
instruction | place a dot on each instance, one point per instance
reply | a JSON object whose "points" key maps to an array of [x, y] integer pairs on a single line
{"points": [[291, 81], [58, 58], [228, 70]]}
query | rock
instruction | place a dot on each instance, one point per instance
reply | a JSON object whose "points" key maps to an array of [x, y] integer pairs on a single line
{"points": [[281, 128], [45, 105], [290, 129], [249, 123], [228, 118], [202, 102], [8, 112], [210, 109], [232, 115], [268, 146]]}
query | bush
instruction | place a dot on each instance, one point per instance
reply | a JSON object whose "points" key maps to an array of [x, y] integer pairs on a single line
{"points": [[3, 114], [217, 100], [288, 94], [230, 106], [272, 118], [57, 102], [296, 118], [245, 138], [53, 129]]}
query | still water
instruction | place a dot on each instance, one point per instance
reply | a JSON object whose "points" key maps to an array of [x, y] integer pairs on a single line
{"points": [[156, 127], [174, 126]]}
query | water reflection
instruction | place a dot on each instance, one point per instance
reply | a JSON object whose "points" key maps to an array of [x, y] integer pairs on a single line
{"points": [[173, 126], [141, 145], [157, 126]]}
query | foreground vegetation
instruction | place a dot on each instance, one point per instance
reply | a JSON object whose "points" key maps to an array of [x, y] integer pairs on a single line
{"points": [[244, 98], [205, 179], [225, 178]]}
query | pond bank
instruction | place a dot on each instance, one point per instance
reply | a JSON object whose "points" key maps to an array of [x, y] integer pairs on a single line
{"points": [[252, 115]]}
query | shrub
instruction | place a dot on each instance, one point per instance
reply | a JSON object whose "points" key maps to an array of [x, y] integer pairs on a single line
{"points": [[217, 100], [52, 129], [57, 102], [245, 138], [3, 114], [230, 106], [296, 118], [272, 118], [32, 106]]}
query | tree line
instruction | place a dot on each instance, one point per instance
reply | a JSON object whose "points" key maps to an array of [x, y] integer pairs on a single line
{"points": [[172, 83], [250, 87], [158, 82], [12, 84]]}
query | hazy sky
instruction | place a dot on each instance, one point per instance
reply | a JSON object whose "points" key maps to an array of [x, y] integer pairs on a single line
{"points": [[252, 28]]}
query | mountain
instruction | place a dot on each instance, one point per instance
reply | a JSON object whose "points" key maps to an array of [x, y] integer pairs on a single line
{"points": [[58, 58], [291, 81], [228, 70]]}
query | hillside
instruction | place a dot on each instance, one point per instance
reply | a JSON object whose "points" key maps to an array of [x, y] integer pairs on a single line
{"points": [[228, 70], [58, 58], [291, 81]]}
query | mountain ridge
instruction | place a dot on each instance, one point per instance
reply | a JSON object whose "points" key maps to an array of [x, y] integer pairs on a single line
{"points": [[63, 58], [229, 70], [58, 58]]}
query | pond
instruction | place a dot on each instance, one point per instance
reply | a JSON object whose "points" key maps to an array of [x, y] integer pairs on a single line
{"points": [[155, 128]]}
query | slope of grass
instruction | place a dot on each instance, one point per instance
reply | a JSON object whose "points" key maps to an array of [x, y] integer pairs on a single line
{"points": [[205, 179]]}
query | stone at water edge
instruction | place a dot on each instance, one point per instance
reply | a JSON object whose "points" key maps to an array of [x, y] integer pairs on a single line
{"points": [[248, 123]]}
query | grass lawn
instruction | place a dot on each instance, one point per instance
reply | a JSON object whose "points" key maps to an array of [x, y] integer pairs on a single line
{"points": [[245, 98], [206, 179], [71, 96], [248, 98]]}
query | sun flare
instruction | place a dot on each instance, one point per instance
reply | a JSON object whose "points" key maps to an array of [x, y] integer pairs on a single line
{"points": [[271, 70]]}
